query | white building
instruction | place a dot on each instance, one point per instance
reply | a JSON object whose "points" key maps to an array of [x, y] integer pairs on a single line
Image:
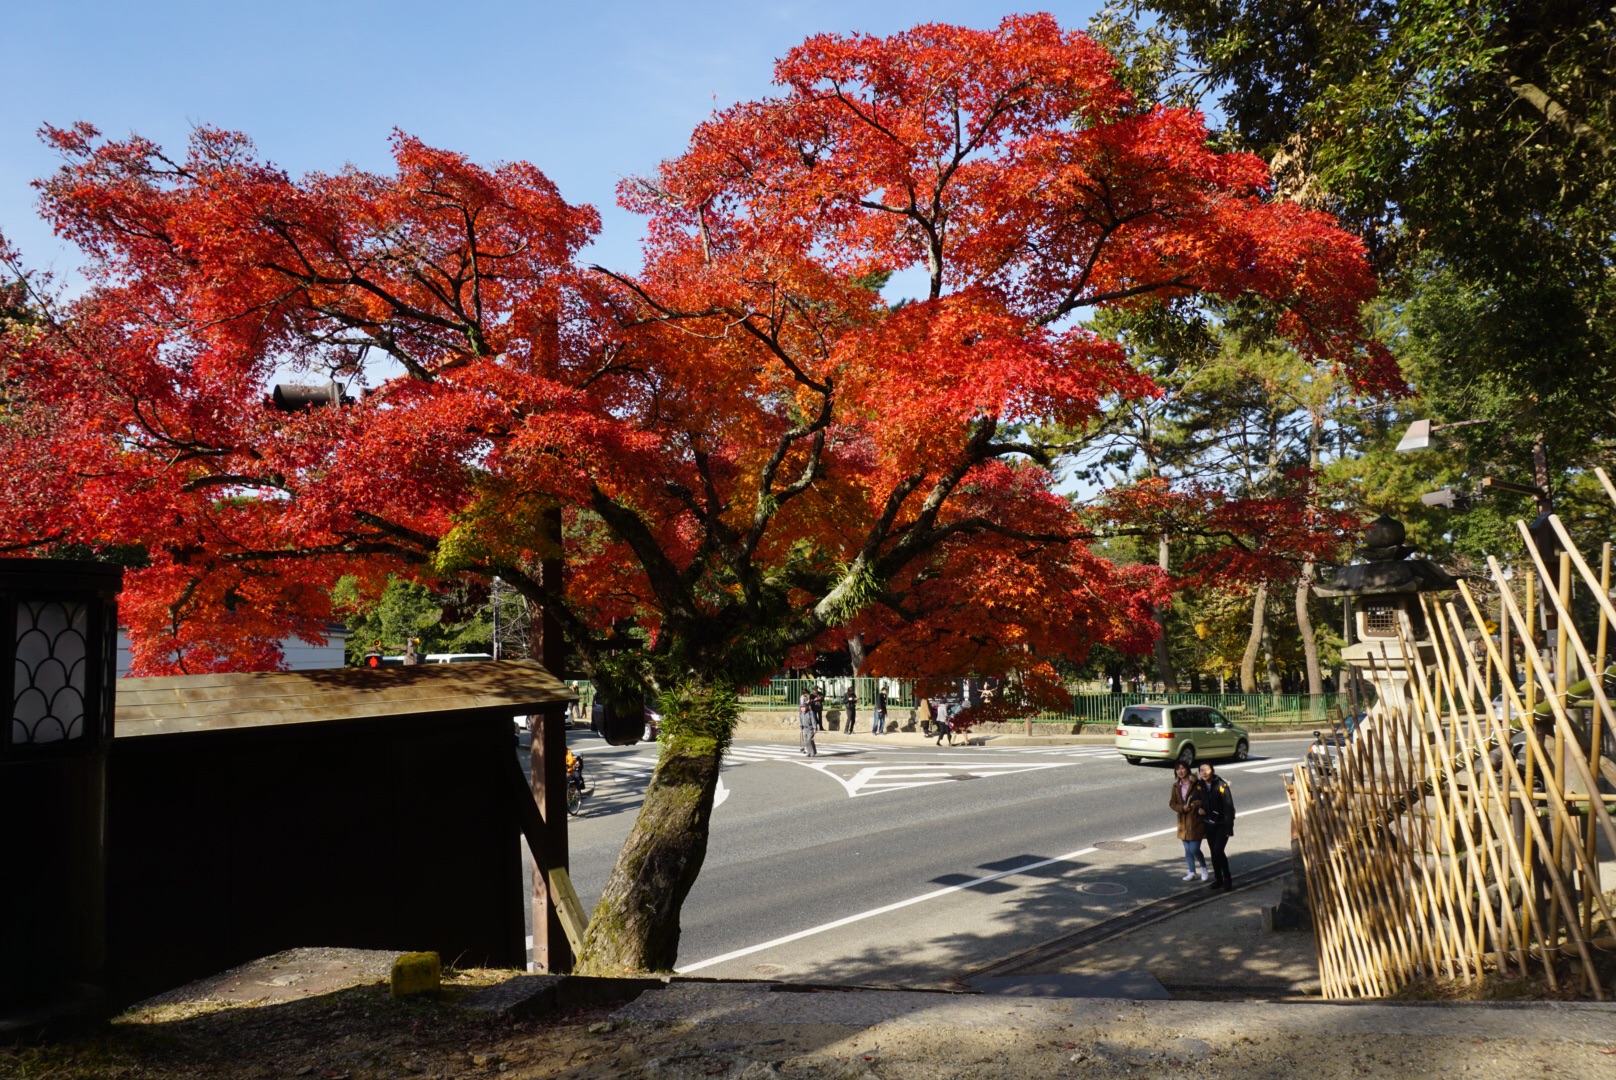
{"points": [[300, 655]]}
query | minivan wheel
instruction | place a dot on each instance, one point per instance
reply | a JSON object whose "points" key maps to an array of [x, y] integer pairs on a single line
{"points": [[1186, 756], [1132, 760], [1242, 750]]}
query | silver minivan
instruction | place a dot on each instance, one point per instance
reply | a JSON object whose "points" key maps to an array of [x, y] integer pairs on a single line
{"points": [[1184, 733]]}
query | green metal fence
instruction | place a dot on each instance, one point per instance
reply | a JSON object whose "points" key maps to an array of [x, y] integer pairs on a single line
{"points": [[1249, 710]]}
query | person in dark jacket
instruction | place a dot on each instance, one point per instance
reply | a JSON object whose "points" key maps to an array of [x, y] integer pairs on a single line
{"points": [[1217, 814], [880, 712], [850, 703], [817, 700]]}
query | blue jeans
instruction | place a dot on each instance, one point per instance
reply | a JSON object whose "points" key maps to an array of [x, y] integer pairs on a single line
{"points": [[1192, 852], [880, 724]]}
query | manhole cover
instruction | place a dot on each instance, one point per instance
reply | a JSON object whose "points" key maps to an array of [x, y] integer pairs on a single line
{"points": [[1119, 845], [1102, 888]]}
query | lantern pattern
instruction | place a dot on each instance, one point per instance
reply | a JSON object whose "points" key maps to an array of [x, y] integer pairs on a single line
{"points": [[49, 672]]}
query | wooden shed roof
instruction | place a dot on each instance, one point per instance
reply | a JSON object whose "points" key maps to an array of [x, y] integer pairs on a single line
{"points": [[189, 703]]}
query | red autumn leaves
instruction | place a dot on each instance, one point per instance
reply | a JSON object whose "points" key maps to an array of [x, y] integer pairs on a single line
{"points": [[739, 434]]}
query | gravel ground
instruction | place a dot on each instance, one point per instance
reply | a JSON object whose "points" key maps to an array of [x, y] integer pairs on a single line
{"points": [[755, 1032]]}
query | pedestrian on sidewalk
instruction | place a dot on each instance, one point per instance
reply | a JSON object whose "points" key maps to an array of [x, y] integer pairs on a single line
{"points": [[880, 712], [817, 700], [805, 722], [928, 716], [1217, 814], [943, 726], [1191, 831], [850, 703]]}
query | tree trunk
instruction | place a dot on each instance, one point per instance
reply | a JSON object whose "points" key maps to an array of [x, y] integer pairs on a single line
{"points": [[1540, 473], [635, 924], [1304, 625], [1248, 662], [1275, 687], [857, 653], [1164, 651]]}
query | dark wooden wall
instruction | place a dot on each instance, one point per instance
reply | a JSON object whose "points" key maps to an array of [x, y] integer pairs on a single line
{"points": [[389, 833]]}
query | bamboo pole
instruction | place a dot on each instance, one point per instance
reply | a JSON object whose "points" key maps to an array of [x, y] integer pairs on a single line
{"points": [[1465, 809], [1450, 881], [1517, 863], [1561, 584], [1556, 805], [1348, 859], [1424, 894], [1493, 839], [1563, 724], [1596, 734]]}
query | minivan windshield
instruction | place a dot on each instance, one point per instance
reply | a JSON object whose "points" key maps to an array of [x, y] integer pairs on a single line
{"points": [[1139, 716]]}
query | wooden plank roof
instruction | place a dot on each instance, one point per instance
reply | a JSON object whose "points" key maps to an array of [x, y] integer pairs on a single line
{"points": [[235, 700]]}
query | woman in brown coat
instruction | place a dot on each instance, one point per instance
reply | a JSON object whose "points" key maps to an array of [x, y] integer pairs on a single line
{"points": [[1191, 829]]}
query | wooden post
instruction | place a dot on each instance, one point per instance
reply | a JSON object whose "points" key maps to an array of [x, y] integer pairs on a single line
{"points": [[548, 761]]}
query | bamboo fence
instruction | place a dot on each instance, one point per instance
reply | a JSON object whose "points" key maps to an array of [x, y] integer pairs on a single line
{"points": [[1451, 838]]}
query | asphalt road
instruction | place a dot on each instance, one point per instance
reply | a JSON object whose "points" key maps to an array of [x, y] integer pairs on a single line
{"points": [[910, 866]]}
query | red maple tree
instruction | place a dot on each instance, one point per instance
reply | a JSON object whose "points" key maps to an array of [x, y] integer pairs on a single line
{"points": [[752, 450]]}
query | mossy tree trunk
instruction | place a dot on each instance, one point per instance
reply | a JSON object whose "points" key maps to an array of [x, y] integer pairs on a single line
{"points": [[635, 924]]}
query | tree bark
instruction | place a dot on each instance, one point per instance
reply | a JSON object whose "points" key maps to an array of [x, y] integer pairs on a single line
{"points": [[1164, 651], [1248, 662], [1557, 114], [1540, 473], [1275, 687], [1304, 625], [857, 653], [635, 924]]}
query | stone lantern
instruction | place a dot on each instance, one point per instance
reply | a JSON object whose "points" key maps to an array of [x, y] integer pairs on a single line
{"points": [[58, 663], [1384, 588]]}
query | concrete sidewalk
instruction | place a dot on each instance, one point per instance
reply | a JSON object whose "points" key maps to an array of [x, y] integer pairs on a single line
{"points": [[1216, 949]]}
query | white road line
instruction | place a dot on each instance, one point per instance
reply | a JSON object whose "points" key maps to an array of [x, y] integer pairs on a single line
{"points": [[933, 895], [1284, 767], [720, 794], [1260, 765]]}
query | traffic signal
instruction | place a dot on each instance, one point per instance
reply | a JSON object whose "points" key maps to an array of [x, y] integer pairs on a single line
{"points": [[373, 659]]}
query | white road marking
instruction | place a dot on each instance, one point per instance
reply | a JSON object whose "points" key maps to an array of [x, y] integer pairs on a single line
{"points": [[847, 920], [874, 779], [1285, 766], [720, 794], [1260, 765]]}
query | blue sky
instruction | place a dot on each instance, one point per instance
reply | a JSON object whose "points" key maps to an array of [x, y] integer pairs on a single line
{"points": [[589, 93]]}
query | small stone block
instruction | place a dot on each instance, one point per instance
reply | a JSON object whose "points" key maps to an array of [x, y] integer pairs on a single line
{"points": [[416, 973]]}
